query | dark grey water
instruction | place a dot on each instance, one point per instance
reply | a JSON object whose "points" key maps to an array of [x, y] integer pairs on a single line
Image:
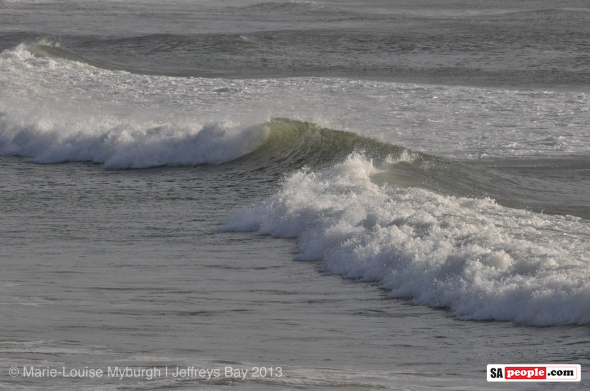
{"points": [[433, 153], [501, 43], [104, 268]]}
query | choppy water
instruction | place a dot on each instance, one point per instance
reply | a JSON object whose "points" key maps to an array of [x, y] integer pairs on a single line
{"points": [[437, 153]]}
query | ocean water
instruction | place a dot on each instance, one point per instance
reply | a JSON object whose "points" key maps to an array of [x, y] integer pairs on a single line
{"points": [[386, 195]]}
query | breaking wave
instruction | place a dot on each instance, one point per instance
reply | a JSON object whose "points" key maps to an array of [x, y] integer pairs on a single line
{"points": [[133, 144], [480, 260]]}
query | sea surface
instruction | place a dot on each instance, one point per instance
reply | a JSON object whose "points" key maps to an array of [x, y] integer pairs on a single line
{"points": [[357, 195]]}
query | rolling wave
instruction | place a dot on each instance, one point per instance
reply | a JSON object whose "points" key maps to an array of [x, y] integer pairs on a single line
{"points": [[282, 146], [120, 57], [526, 184], [56, 51], [478, 259], [283, 7], [115, 143], [292, 144], [120, 144]]}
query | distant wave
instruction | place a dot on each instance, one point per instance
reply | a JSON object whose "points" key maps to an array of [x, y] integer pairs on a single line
{"points": [[283, 6], [478, 259], [45, 49], [547, 12], [154, 43]]}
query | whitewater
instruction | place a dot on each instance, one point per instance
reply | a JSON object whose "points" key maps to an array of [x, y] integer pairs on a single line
{"points": [[399, 205]]}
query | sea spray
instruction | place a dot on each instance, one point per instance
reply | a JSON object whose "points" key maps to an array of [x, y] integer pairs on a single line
{"points": [[125, 144], [479, 259]]}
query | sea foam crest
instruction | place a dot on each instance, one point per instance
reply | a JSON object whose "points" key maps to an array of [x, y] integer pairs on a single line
{"points": [[479, 259], [125, 144]]}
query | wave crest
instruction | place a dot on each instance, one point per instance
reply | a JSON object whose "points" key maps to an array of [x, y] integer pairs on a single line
{"points": [[133, 144], [283, 6], [283, 143]]}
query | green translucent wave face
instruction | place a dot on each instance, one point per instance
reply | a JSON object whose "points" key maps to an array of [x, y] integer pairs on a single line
{"points": [[526, 184]]}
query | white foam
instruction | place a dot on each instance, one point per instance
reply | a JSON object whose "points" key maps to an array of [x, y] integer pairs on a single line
{"points": [[481, 260], [55, 110], [125, 144]]}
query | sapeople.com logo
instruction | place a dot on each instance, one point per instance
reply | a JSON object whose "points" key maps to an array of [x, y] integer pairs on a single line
{"points": [[534, 372]]}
